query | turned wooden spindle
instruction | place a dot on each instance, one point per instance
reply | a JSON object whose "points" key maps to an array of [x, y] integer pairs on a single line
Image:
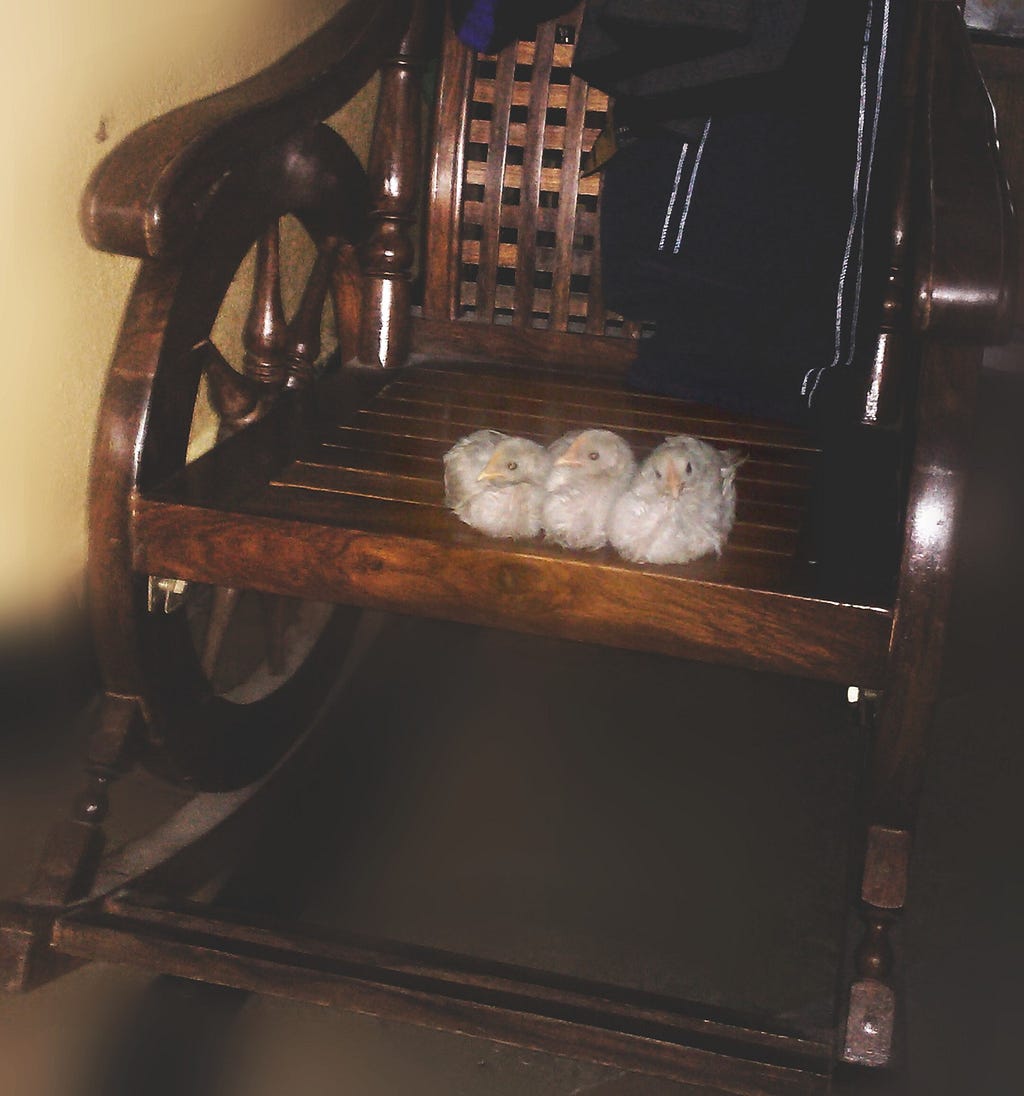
{"points": [[222, 608], [871, 1016], [883, 396], [266, 332], [393, 173], [73, 850], [237, 399], [275, 623], [882, 401], [347, 300], [302, 345], [874, 955]]}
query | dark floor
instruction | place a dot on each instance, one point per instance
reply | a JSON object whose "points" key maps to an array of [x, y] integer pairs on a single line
{"points": [[614, 815]]}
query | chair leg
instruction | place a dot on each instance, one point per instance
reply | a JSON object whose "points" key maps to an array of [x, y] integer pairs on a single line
{"points": [[73, 850], [947, 389], [871, 1011], [225, 600], [70, 857]]}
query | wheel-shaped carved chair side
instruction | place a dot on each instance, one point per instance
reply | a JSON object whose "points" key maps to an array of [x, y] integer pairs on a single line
{"points": [[330, 489], [193, 734]]}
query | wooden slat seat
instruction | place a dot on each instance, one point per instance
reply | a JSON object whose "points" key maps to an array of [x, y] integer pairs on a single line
{"points": [[360, 514]]}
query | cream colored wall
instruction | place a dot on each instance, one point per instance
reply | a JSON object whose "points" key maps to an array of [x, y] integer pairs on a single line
{"points": [[77, 77]]}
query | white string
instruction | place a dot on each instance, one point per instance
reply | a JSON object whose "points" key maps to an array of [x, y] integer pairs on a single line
{"points": [[689, 189], [672, 197]]}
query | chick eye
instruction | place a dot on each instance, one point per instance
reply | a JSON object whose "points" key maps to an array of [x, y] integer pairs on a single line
{"points": [[594, 456], [657, 474], [512, 466], [689, 468]]}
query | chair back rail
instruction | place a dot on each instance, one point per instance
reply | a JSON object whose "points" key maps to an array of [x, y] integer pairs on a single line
{"points": [[513, 230], [512, 243]]}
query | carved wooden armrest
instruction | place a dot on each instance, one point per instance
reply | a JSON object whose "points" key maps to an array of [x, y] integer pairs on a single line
{"points": [[147, 194], [965, 273]]}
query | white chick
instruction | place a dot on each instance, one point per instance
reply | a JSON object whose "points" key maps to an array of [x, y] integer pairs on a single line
{"points": [[510, 490], [589, 470], [681, 504], [464, 462]]}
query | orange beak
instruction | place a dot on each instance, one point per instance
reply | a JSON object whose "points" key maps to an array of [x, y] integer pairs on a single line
{"points": [[494, 468], [573, 456], [673, 480]]}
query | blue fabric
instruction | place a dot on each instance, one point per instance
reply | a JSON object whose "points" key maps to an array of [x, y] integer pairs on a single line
{"points": [[758, 241], [478, 24], [489, 25]]}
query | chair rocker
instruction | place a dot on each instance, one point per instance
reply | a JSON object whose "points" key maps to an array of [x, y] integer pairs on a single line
{"points": [[324, 488]]}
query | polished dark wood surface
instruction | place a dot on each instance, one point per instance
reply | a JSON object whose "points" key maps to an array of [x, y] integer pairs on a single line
{"points": [[143, 435], [967, 259], [394, 173], [329, 487], [150, 192], [358, 515]]}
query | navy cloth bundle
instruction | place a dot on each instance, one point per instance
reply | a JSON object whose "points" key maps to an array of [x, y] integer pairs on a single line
{"points": [[757, 238], [748, 214]]}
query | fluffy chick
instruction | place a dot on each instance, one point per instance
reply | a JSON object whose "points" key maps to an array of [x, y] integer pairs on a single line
{"points": [[681, 504], [510, 490], [463, 464], [590, 469]]}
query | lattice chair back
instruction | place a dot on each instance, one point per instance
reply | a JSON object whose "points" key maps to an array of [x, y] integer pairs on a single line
{"points": [[514, 228]]}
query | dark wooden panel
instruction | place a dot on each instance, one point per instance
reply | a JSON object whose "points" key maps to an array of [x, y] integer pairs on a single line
{"points": [[469, 341], [288, 547], [524, 1008], [359, 517]]}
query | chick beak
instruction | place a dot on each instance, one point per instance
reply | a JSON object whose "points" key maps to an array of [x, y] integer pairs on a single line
{"points": [[493, 470], [573, 456], [673, 481]]}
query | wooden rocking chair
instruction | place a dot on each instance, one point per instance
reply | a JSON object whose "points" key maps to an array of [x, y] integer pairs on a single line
{"points": [[325, 486]]}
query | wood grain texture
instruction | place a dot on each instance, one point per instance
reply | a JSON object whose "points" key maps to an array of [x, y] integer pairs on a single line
{"points": [[447, 169], [532, 591], [333, 492], [356, 515], [146, 413], [523, 257]]}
